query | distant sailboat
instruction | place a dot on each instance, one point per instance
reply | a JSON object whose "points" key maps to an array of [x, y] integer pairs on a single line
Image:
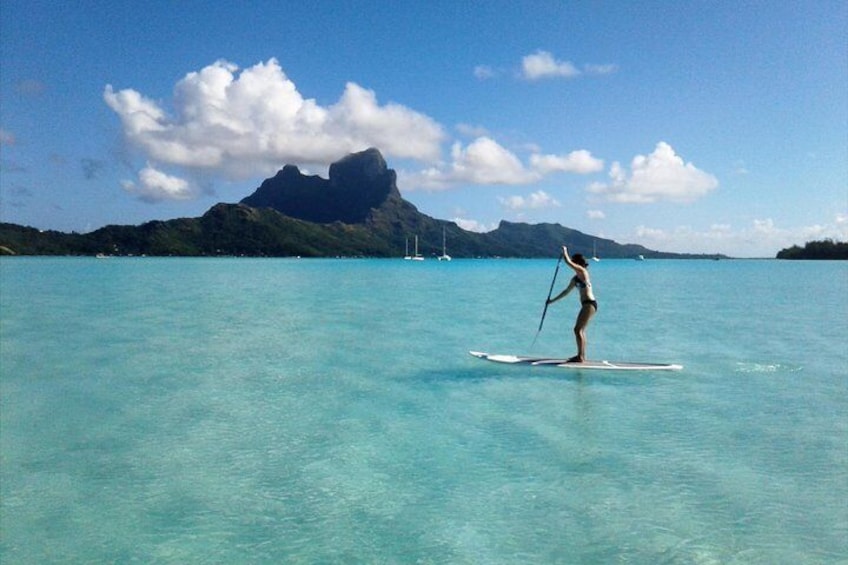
{"points": [[444, 256], [406, 255], [595, 252], [417, 257], [640, 257]]}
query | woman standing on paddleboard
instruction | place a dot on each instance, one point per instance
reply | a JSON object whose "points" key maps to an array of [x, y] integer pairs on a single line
{"points": [[588, 304]]}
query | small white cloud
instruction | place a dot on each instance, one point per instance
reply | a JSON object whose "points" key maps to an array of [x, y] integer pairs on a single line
{"points": [[596, 215], [542, 64], [537, 200], [662, 175], [651, 233], [483, 161], [155, 186], [474, 225], [484, 72], [580, 161]]}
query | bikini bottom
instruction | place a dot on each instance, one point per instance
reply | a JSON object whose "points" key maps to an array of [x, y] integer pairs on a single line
{"points": [[591, 303]]}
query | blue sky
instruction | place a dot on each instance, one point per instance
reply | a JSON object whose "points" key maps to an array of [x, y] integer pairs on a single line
{"points": [[683, 126]]}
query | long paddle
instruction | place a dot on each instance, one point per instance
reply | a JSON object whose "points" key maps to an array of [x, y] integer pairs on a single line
{"points": [[550, 291]]}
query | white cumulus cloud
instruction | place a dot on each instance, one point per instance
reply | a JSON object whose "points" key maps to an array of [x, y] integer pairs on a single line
{"points": [[154, 185], [537, 200], [662, 175], [242, 123], [474, 225], [580, 161], [542, 64], [484, 161]]}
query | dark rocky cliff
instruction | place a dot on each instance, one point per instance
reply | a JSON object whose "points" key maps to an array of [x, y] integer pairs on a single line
{"points": [[358, 184]]}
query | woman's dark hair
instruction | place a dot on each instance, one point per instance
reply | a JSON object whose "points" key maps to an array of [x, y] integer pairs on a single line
{"points": [[579, 259]]}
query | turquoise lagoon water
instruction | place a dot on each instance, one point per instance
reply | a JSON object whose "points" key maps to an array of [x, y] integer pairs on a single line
{"points": [[327, 411]]}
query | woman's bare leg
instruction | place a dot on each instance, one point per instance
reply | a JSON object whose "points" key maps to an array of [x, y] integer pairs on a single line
{"points": [[586, 313]]}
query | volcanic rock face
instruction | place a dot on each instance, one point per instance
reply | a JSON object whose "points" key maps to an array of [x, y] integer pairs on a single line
{"points": [[358, 184]]}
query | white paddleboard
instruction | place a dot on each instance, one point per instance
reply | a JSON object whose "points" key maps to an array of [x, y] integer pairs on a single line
{"points": [[564, 364]]}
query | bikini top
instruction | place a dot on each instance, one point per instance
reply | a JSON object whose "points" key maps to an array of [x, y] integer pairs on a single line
{"points": [[580, 283]]}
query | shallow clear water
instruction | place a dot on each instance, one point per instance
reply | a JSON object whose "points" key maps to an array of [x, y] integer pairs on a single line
{"points": [[304, 411]]}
